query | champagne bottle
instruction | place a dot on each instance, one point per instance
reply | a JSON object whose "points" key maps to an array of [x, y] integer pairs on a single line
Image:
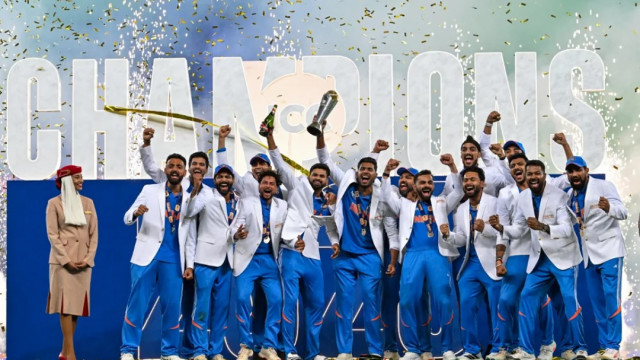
{"points": [[267, 123]]}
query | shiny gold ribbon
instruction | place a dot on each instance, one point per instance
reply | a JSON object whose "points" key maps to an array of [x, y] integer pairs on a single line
{"points": [[123, 111]]}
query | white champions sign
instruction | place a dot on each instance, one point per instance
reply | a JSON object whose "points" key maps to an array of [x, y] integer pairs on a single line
{"points": [[244, 90]]}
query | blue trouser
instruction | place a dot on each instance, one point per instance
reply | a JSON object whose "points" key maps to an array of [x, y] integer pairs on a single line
{"points": [[263, 270], [144, 279], [187, 346], [535, 288], [508, 305], [423, 314], [425, 270], [367, 270], [473, 284], [603, 283], [296, 268], [210, 309], [390, 299]]}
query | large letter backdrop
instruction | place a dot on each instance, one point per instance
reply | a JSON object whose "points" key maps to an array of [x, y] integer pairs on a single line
{"points": [[79, 80]]}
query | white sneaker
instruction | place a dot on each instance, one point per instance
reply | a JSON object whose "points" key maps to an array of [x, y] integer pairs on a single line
{"points": [[427, 355], [470, 356], [546, 351], [500, 355], [449, 355], [410, 356], [218, 357], [596, 356], [391, 355], [170, 357], [581, 355], [319, 357], [292, 356], [200, 357], [519, 354], [568, 355], [611, 354], [344, 356], [269, 354], [126, 356], [245, 353]]}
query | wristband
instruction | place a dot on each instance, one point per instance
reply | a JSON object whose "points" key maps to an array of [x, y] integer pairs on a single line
{"points": [[385, 174], [499, 261], [488, 124]]}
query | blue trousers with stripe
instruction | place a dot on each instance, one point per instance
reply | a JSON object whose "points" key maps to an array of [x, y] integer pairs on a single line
{"points": [[297, 269], [167, 278], [603, 283], [390, 299], [210, 308], [425, 270], [262, 270], [367, 270], [474, 283], [508, 305], [536, 288]]}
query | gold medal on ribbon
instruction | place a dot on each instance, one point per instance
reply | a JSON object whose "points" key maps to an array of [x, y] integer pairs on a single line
{"points": [[364, 232], [266, 239]]}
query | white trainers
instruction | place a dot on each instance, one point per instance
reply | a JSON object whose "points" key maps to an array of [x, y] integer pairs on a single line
{"points": [[170, 357], [218, 357], [320, 357], [596, 356], [581, 355], [269, 354], [245, 353], [449, 355], [611, 354], [126, 356], [519, 354], [410, 356], [470, 356], [546, 351], [200, 357], [292, 356], [568, 355], [427, 355], [344, 356], [391, 355], [499, 355]]}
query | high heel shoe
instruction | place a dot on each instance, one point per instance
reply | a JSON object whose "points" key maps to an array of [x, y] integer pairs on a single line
{"points": [[62, 357]]}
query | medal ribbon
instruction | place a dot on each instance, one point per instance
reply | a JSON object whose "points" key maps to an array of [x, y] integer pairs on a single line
{"points": [[363, 215], [324, 206], [266, 229], [232, 211], [427, 218], [173, 215], [576, 208], [471, 221]]}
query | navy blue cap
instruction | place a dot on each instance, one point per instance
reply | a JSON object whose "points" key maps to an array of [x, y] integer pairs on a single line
{"points": [[223, 167], [513, 143], [577, 161], [403, 170], [260, 156]]}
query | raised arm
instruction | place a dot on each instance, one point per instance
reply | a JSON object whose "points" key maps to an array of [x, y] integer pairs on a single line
{"points": [[561, 140], [286, 173], [324, 157], [148, 163], [221, 157], [390, 197], [453, 198], [487, 155]]}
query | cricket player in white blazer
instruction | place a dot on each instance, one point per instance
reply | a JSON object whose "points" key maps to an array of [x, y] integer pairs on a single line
{"points": [[598, 209], [554, 255], [361, 218], [158, 259], [256, 231], [309, 214], [477, 275], [212, 261], [425, 255]]}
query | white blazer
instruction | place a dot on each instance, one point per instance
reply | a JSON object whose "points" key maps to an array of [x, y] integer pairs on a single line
{"points": [[383, 218], [249, 214], [300, 218], [213, 245], [506, 210], [405, 210], [561, 244], [602, 238], [151, 232], [484, 242]]}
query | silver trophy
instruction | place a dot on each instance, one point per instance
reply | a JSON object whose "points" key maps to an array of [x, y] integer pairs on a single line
{"points": [[328, 102]]}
